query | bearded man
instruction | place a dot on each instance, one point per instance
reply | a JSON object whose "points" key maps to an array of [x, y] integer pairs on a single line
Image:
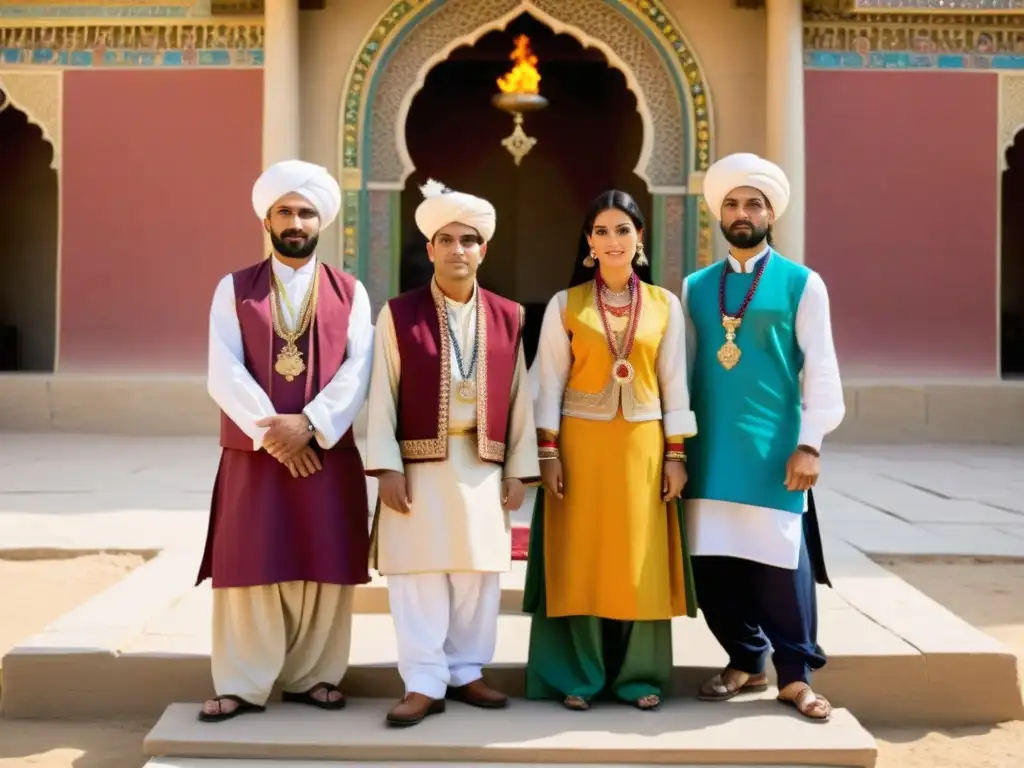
{"points": [[765, 389], [291, 347]]}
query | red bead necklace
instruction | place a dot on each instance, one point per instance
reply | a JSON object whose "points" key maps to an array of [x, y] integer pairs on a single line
{"points": [[729, 353], [622, 369]]}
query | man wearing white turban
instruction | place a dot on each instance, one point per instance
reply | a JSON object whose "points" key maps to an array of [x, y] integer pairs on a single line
{"points": [[452, 442], [765, 388], [291, 346]]}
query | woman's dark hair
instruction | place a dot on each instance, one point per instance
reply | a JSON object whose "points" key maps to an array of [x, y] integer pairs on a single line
{"points": [[623, 201]]}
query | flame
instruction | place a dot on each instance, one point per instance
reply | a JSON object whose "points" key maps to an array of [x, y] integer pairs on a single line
{"points": [[523, 77]]}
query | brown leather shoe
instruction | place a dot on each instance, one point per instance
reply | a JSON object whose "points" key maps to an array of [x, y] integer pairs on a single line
{"points": [[413, 709], [479, 694]]}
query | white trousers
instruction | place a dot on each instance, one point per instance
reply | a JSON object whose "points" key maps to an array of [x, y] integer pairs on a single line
{"points": [[298, 633], [447, 627]]}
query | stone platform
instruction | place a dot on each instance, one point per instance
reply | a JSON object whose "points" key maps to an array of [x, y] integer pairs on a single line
{"points": [[895, 655], [683, 732]]}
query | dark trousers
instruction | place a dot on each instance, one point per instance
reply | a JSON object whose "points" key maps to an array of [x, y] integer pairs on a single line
{"points": [[753, 608]]}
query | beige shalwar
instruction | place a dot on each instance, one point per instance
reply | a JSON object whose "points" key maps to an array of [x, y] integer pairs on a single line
{"points": [[297, 634]]}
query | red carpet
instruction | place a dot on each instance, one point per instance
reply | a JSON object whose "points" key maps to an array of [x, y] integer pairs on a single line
{"points": [[520, 541]]}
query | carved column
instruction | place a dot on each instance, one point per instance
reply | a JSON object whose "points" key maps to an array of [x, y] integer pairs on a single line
{"points": [[785, 129], [280, 81]]}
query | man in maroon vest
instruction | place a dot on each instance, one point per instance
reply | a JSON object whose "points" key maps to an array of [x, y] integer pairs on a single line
{"points": [[291, 347], [451, 439]]}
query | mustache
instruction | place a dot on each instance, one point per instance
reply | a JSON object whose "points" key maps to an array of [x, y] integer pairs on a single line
{"points": [[292, 233]]}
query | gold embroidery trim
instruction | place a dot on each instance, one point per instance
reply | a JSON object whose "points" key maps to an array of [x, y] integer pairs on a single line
{"points": [[490, 450], [436, 448]]}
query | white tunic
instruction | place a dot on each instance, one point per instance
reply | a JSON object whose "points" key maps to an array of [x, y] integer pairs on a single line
{"points": [[761, 534], [236, 392], [457, 523]]}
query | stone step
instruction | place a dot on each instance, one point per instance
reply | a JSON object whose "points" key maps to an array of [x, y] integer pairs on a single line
{"points": [[172, 762], [738, 733], [895, 656]]}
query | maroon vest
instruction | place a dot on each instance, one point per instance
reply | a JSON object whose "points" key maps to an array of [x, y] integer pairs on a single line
{"points": [[323, 345], [424, 347]]}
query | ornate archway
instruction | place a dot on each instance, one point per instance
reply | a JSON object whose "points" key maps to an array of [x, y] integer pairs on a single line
{"points": [[636, 36], [30, 152], [1011, 231]]}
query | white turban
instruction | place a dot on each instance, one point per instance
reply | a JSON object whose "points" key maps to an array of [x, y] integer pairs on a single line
{"points": [[313, 182], [441, 207], [745, 170]]}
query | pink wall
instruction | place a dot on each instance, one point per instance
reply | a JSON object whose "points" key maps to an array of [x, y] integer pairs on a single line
{"points": [[157, 173], [901, 218]]}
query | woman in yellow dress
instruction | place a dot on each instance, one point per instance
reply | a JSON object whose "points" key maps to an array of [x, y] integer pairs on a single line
{"points": [[608, 567]]}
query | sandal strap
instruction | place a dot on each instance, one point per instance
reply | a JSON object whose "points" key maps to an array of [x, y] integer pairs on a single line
{"points": [[807, 698]]}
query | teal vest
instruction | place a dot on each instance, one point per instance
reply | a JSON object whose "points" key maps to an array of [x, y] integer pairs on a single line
{"points": [[748, 419]]}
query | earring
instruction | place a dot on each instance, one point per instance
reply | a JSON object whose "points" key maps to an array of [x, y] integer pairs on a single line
{"points": [[590, 259], [641, 257]]}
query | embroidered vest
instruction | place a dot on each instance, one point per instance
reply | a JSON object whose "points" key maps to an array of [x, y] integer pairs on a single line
{"points": [[424, 346], [323, 345]]}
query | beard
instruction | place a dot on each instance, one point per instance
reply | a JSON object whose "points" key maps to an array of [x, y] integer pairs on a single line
{"points": [[299, 250], [744, 237]]}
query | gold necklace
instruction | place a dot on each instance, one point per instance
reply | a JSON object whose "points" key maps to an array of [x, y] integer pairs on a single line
{"points": [[289, 360]]}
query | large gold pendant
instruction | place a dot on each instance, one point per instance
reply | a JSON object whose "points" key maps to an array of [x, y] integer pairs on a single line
{"points": [[729, 353], [289, 362], [466, 391]]}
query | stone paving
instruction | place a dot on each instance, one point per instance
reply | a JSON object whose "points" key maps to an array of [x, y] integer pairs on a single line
{"points": [[69, 491]]}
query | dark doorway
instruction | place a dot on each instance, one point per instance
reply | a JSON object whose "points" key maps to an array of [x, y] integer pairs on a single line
{"points": [[28, 245], [1012, 262], [588, 140]]}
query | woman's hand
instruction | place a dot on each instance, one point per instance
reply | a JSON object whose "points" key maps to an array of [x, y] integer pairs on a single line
{"points": [[551, 476], [673, 480]]}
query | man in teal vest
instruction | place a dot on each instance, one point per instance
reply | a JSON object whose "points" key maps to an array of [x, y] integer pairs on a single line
{"points": [[765, 389]]}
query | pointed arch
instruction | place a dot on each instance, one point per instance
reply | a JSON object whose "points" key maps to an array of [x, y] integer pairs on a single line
{"points": [[637, 37]]}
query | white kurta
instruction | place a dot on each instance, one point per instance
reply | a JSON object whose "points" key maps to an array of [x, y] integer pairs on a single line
{"points": [[296, 633], [457, 523], [236, 392], [443, 560], [772, 536]]}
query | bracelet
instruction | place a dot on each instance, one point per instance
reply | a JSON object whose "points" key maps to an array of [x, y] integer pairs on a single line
{"points": [[675, 456], [808, 449], [546, 454]]}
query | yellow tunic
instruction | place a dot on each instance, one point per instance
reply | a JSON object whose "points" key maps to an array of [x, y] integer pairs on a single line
{"points": [[613, 547]]}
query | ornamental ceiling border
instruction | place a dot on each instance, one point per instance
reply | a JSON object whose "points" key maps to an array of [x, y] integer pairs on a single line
{"points": [[951, 42], [62, 43], [636, 36], [37, 95]]}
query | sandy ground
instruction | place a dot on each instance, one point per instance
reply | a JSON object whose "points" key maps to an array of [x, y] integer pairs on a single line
{"points": [[988, 595], [34, 593]]}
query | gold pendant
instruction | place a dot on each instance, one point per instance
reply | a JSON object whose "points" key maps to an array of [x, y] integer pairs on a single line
{"points": [[466, 391], [729, 353], [289, 362]]}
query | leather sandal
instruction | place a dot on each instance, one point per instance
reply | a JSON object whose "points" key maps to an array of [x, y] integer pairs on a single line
{"points": [[309, 699], [715, 688], [244, 707], [804, 703]]}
